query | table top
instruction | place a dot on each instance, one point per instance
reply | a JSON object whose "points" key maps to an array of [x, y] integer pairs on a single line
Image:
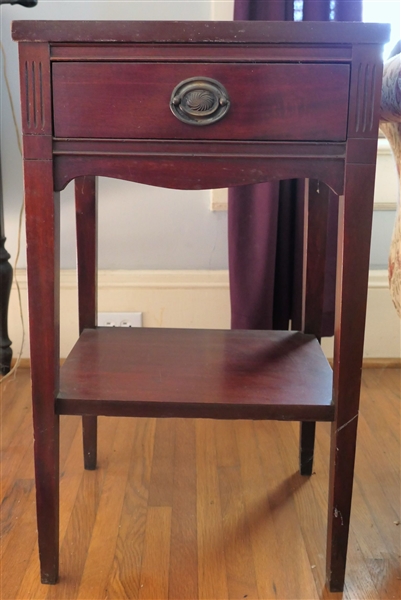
{"points": [[233, 32]]}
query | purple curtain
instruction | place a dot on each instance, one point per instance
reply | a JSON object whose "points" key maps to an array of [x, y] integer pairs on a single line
{"points": [[265, 221]]}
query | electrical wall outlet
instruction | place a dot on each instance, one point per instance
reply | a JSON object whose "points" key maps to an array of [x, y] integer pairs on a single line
{"points": [[119, 319]]}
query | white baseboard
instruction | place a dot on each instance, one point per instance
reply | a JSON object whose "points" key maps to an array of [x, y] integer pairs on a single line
{"points": [[198, 299]]}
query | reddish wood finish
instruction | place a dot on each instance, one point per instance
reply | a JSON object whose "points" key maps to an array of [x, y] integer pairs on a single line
{"points": [[263, 104], [338, 35], [196, 373], [354, 228], [305, 103], [86, 219], [202, 52], [43, 239], [355, 220], [316, 212], [196, 169], [215, 148], [89, 436], [307, 432], [42, 224]]}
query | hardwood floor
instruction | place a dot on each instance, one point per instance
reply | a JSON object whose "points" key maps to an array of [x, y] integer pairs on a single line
{"points": [[189, 509]]}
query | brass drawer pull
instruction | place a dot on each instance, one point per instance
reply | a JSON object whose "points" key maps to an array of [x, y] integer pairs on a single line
{"points": [[199, 101]]}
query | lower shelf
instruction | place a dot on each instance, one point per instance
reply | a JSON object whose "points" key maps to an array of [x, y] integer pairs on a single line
{"points": [[197, 373]]}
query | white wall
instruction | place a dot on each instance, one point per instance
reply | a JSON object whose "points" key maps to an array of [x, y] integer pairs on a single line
{"points": [[191, 299]]}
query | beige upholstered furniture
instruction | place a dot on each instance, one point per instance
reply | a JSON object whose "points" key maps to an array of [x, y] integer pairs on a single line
{"points": [[391, 126]]}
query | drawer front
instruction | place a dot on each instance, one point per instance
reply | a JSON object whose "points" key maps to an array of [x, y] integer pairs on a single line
{"points": [[267, 101]]}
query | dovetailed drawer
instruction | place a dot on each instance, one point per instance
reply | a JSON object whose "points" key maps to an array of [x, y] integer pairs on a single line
{"points": [[305, 102]]}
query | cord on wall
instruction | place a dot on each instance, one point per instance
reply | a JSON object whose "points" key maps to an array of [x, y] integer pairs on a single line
{"points": [[13, 371]]}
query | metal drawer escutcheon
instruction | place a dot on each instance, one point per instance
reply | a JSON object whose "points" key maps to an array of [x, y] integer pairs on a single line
{"points": [[199, 101]]}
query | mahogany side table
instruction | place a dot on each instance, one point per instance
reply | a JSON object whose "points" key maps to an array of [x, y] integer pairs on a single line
{"points": [[195, 105]]}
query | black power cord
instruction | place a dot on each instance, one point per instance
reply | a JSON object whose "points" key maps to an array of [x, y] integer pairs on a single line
{"points": [[26, 3]]}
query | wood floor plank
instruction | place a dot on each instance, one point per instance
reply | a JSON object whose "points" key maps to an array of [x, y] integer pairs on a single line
{"points": [[212, 575], [76, 543], [270, 573], [226, 444], [386, 573], [388, 382], [161, 481], [124, 579], [76, 538], [360, 584], [17, 547], [79, 498], [241, 578], [31, 588], [14, 405], [183, 575], [383, 464], [382, 438], [310, 499], [13, 506], [283, 484], [156, 554], [16, 454], [103, 541]]}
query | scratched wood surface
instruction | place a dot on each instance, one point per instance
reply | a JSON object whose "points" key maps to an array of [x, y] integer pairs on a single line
{"points": [[183, 509]]}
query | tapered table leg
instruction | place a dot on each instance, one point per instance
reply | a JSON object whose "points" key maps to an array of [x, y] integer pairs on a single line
{"points": [[355, 219], [42, 230], [86, 221]]}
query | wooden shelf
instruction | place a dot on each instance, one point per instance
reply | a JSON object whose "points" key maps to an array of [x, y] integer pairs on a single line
{"points": [[198, 373]]}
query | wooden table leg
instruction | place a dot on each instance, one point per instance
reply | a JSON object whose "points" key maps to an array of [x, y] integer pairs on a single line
{"points": [[355, 220], [42, 231], [86, 221], [306, 447], [316, 215]]}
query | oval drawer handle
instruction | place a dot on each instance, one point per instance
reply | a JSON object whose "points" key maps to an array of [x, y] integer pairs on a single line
{"points": [[199, 101]]}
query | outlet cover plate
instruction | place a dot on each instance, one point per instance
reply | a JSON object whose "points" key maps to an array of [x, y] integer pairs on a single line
{"points": [[119, 319]]}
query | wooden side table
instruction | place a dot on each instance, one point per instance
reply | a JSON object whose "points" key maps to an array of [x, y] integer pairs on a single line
{"points": [[198, 105]]}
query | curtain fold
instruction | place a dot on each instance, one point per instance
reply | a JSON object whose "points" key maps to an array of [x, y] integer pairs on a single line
{"points": [[265, 221]]}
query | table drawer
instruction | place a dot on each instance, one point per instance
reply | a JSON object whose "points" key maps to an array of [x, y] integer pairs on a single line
{"points": [[267, 101]]}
